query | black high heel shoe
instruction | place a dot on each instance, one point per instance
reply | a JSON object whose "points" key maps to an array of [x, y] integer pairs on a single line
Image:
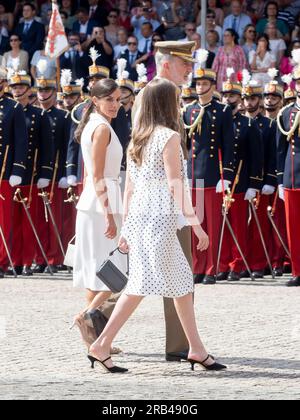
{"points": [[114, 369], [214, 366]]}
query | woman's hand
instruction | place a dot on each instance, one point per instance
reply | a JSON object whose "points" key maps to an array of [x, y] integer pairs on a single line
{"points": [[111, 228], [123, 245], [202, 238]]}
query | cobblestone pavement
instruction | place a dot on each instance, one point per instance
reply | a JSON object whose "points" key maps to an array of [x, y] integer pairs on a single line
{"points": [[254, 328]]}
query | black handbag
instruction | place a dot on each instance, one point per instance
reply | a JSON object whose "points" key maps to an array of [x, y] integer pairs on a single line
{"points": [[111, 276]]}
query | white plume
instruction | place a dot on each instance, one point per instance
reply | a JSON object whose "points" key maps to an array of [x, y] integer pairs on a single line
{"points": [[15, 64], [121, 66], [202, 55], [80, 82], [296, 55], [141, 70], [246, 77], [42, 66], [273, 73], [287, 78], [229, 72], [125, 75], [66, 77], [94, 54], [22, 73]]}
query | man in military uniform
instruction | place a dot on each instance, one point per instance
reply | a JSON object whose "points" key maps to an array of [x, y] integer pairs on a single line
{"points": [[39, 164], [188, 96], [248, 162], [60, 128], [210, 128], [252, 95], [13, 161], [288, 166]]}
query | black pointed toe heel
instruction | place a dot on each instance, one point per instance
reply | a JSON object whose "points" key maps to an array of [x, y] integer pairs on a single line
{"points": [[114, 369], [214, 366]]}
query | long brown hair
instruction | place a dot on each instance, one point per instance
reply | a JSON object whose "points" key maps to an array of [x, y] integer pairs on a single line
{"points": [[101, 89], [159, 107]]}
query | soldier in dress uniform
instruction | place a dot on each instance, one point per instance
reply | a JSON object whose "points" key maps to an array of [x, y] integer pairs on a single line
{"points": [[13, 161], [60, 128], [252, 94], [248, 152], [288, 166], [210, 128], [39, 164]]}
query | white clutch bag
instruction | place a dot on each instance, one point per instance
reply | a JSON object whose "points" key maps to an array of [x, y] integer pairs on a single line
{"points": [[69, 258]]}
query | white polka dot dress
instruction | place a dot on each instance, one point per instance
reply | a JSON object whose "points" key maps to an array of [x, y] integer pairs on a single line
{"points": [[157, 263]]}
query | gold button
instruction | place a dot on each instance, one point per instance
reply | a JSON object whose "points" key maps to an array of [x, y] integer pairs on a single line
{"points": [[212, 140], [194, 148], [29, 157], [236, 145], [212, 132], [212, 147], [211, 156], [32, 129], [214, 111], [214, 118], [293, 153], [194, 156]]}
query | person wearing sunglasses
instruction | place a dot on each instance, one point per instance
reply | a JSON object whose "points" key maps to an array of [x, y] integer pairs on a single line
{"points": [[111, 30], [248, 41], [16, 52], [131, 55], [236, 20]]}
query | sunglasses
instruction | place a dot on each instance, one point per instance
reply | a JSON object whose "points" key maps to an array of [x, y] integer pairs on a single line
{"points": [[131, 43], [14, 40], [191, 30], [252, 31]]}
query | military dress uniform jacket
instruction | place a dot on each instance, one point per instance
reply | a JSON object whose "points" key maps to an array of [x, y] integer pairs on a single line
{"points": [[13, 133], [268, 131], [288, 152], [216, 133], [40, 139], [249, 148]]}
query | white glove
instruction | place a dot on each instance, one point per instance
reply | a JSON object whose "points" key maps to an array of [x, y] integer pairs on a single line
{"points": [[268, 190], [63, 183], [250, 194], [281, 192], [72, 180], [14, 180], [219, 188], [43, 183]]}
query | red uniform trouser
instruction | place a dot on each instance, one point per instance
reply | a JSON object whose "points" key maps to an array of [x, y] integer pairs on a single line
{"points": [[5, 222], [278, 254], [208, 206], [292, 209], [24, 243], [231, 259], [47, 233], [256, 256]]}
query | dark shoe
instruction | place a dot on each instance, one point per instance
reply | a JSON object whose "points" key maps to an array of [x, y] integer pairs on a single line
{"points": [[27, 271], [1, 273], [278, 272], [214, 366], [245, 274], [222, 276], [62, 267], [258, 274], [294, 282], [234, 276], [39, 268], [53, 269], [114, 369], [287, 269], [209, 280], [267, 271], [198, 278], [177, 356], [18, 270]]}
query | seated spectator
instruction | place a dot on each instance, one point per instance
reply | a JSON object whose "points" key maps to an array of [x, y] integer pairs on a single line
{"points": [[50, 72], [212, 41], [211, 56], [16, 52], [122, 43], [271, 13], [231, 55], [74, 59], [277, 44], [111, 30], [210, 24], [296, 31], [248, 41], [189, 30], [143, 15], [31, 32], [131, 55], [124, 19], [45, 8], [99, 41], [67, 7], [256, 9], [98, 12], [213, 5], [287, 64], [84, 25], [4, 44], [173, 21], [146, 38], [262, 60], [236, 20], [6, 20], [285, 15]]}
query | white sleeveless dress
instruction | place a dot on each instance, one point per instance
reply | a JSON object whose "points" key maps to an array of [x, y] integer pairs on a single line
{"points": [[91, 246], [157, 263]]}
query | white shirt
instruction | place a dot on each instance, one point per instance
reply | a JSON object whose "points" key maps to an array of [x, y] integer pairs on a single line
{"points": [[83, 28], [276, 46]]}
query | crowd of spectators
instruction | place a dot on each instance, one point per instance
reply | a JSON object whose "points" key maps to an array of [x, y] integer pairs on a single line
{"points": [[241, 34]]}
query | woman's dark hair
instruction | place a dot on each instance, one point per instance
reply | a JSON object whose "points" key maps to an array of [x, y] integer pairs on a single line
{"points": [[234, 34], [101, 89], [288, 51], [210, 12], [250, 25], [271, 3], [218, 4], [266, 38]]}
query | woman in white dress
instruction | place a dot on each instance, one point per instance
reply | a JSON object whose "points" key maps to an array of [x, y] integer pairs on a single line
{"points": [[99, 215], [262, 60], [156, 188]]}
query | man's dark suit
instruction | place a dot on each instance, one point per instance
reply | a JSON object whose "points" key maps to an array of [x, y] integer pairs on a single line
{"points": [[4, 44], [33, 39], [132, 71], [91, 24], [78, 65]]}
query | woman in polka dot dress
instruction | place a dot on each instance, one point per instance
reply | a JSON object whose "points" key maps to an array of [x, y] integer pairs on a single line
{"points": [[156, 188]]}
